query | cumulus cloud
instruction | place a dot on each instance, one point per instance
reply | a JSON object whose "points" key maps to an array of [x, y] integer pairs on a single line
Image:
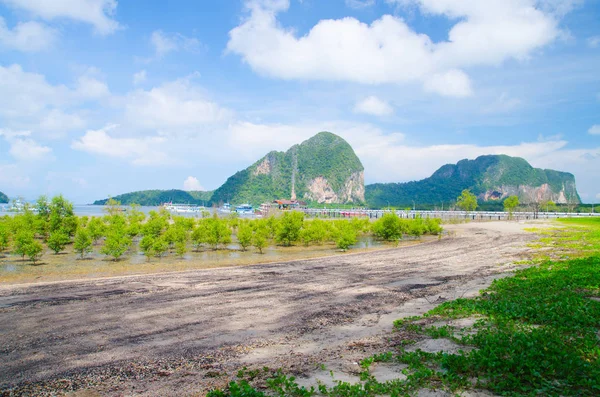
{"points": [[593, 42], [174, 105], [138, 151], [27, 36], [139, 77], [594, 130], [165, 43], [374, 106], [98, 13], [192, 184], [11, 175], [23, 148], [388, 50]]}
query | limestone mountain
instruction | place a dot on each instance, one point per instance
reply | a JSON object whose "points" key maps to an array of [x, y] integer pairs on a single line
{"points": [[3, 198], [491, 178], [322, 169]]}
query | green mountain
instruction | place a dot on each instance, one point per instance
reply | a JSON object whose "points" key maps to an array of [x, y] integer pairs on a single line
{"points": [[322, 169], [491, 178], [3, 198], [157, 197]]}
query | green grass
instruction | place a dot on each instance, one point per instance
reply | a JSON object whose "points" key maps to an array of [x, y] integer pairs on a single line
{"points": [[536, 333]]}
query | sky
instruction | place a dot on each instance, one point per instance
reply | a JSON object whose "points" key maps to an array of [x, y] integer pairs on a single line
{"points": [[103, 97]]}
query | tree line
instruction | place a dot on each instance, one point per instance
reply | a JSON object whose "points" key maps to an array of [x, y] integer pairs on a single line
{"points": [[52, 224]]}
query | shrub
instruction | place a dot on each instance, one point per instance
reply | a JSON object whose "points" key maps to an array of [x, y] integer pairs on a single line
{"points": [[58, 240], [389, 227], [83, 242], [289, 228], [244, 235]]}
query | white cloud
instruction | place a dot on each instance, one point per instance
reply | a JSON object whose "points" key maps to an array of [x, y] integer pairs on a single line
{"points": [[98, 13], [10, 134], [11, 175], [89, 87], [28, 150], [358, 4], [192, 184], [164, 43], [388, 50], [27, 36], [139, 77], [594, 130], [454, 83], [59, 122], [139, 151], [374, 106], [174, 105], [594, 41]]}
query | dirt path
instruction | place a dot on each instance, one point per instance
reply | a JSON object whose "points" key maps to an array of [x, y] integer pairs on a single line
{"points": [[181, 333]]}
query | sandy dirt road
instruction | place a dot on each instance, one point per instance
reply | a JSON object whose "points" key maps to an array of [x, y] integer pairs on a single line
{"points": [[179, 334]]}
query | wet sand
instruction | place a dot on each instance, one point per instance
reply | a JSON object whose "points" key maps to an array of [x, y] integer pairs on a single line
{"points": [[183, 333]]}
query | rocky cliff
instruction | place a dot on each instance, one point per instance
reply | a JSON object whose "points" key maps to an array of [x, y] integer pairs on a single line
{"points": [[322, 169], [491, 178]]}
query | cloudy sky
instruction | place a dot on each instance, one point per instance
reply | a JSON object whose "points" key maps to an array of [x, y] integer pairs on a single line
{"points": [[102, 97]]}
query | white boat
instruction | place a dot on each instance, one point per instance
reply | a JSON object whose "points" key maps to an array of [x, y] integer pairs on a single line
{"points": [[225, 209], [244, 209], [184, 208]]}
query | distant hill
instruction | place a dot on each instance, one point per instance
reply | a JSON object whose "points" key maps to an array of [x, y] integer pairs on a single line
{"points": [[3, 198], [322, 169], [157, 197], [491, 178]]}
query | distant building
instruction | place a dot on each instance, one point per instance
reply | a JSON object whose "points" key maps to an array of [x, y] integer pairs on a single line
{"points": [[286, 205]]}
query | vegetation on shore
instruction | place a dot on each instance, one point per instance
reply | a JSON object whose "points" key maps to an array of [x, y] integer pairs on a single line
{"points": [[3, 198], [53, 226], [157, 197], [535, 333]]}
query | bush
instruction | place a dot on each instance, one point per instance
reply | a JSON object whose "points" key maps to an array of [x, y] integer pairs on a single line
{"points": [[244, 235], [117, 242], [289, 228], [33, 250], [389, 227], [58, 240], [83, 242]]}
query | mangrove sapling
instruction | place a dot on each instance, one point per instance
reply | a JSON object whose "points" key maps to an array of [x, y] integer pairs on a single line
{"points": [[218, 232], [4, 237], [147, 246], [200, 235], [83, 242], [510, 204], [467, 201], [57, 241], [23, 238], [33, 250], [389, 227], [244, 235], [160, 247], [96, 228], [259, 239], [117, 243], [289, 228], [346, 238], [181, 248]]}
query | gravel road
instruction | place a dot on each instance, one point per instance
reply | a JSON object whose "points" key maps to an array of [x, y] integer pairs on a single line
{"points": [[181, 333]]}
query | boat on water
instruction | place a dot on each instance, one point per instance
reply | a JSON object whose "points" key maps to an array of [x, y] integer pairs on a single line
{"points": [[225, 209], [183, 208], [244, 209]]}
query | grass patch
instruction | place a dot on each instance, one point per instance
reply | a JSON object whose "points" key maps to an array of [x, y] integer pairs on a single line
{"points": [[536, 333]]}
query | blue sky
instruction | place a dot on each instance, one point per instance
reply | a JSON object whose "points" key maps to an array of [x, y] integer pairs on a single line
{"points": [[102, 97]]}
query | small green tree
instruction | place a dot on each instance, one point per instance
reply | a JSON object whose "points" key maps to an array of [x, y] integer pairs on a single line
{"points": [[147, 246], [117, 243], [510, 203], [181, 248], [96, 228], [467, 201], [388, 227], [289, 228], [33, 250], [160, 247], [83, 242], [23, 238], [346, 238], [4, 237], [218, 233], [200, 235], [58, 240], [259, 239], [244, 235]]}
